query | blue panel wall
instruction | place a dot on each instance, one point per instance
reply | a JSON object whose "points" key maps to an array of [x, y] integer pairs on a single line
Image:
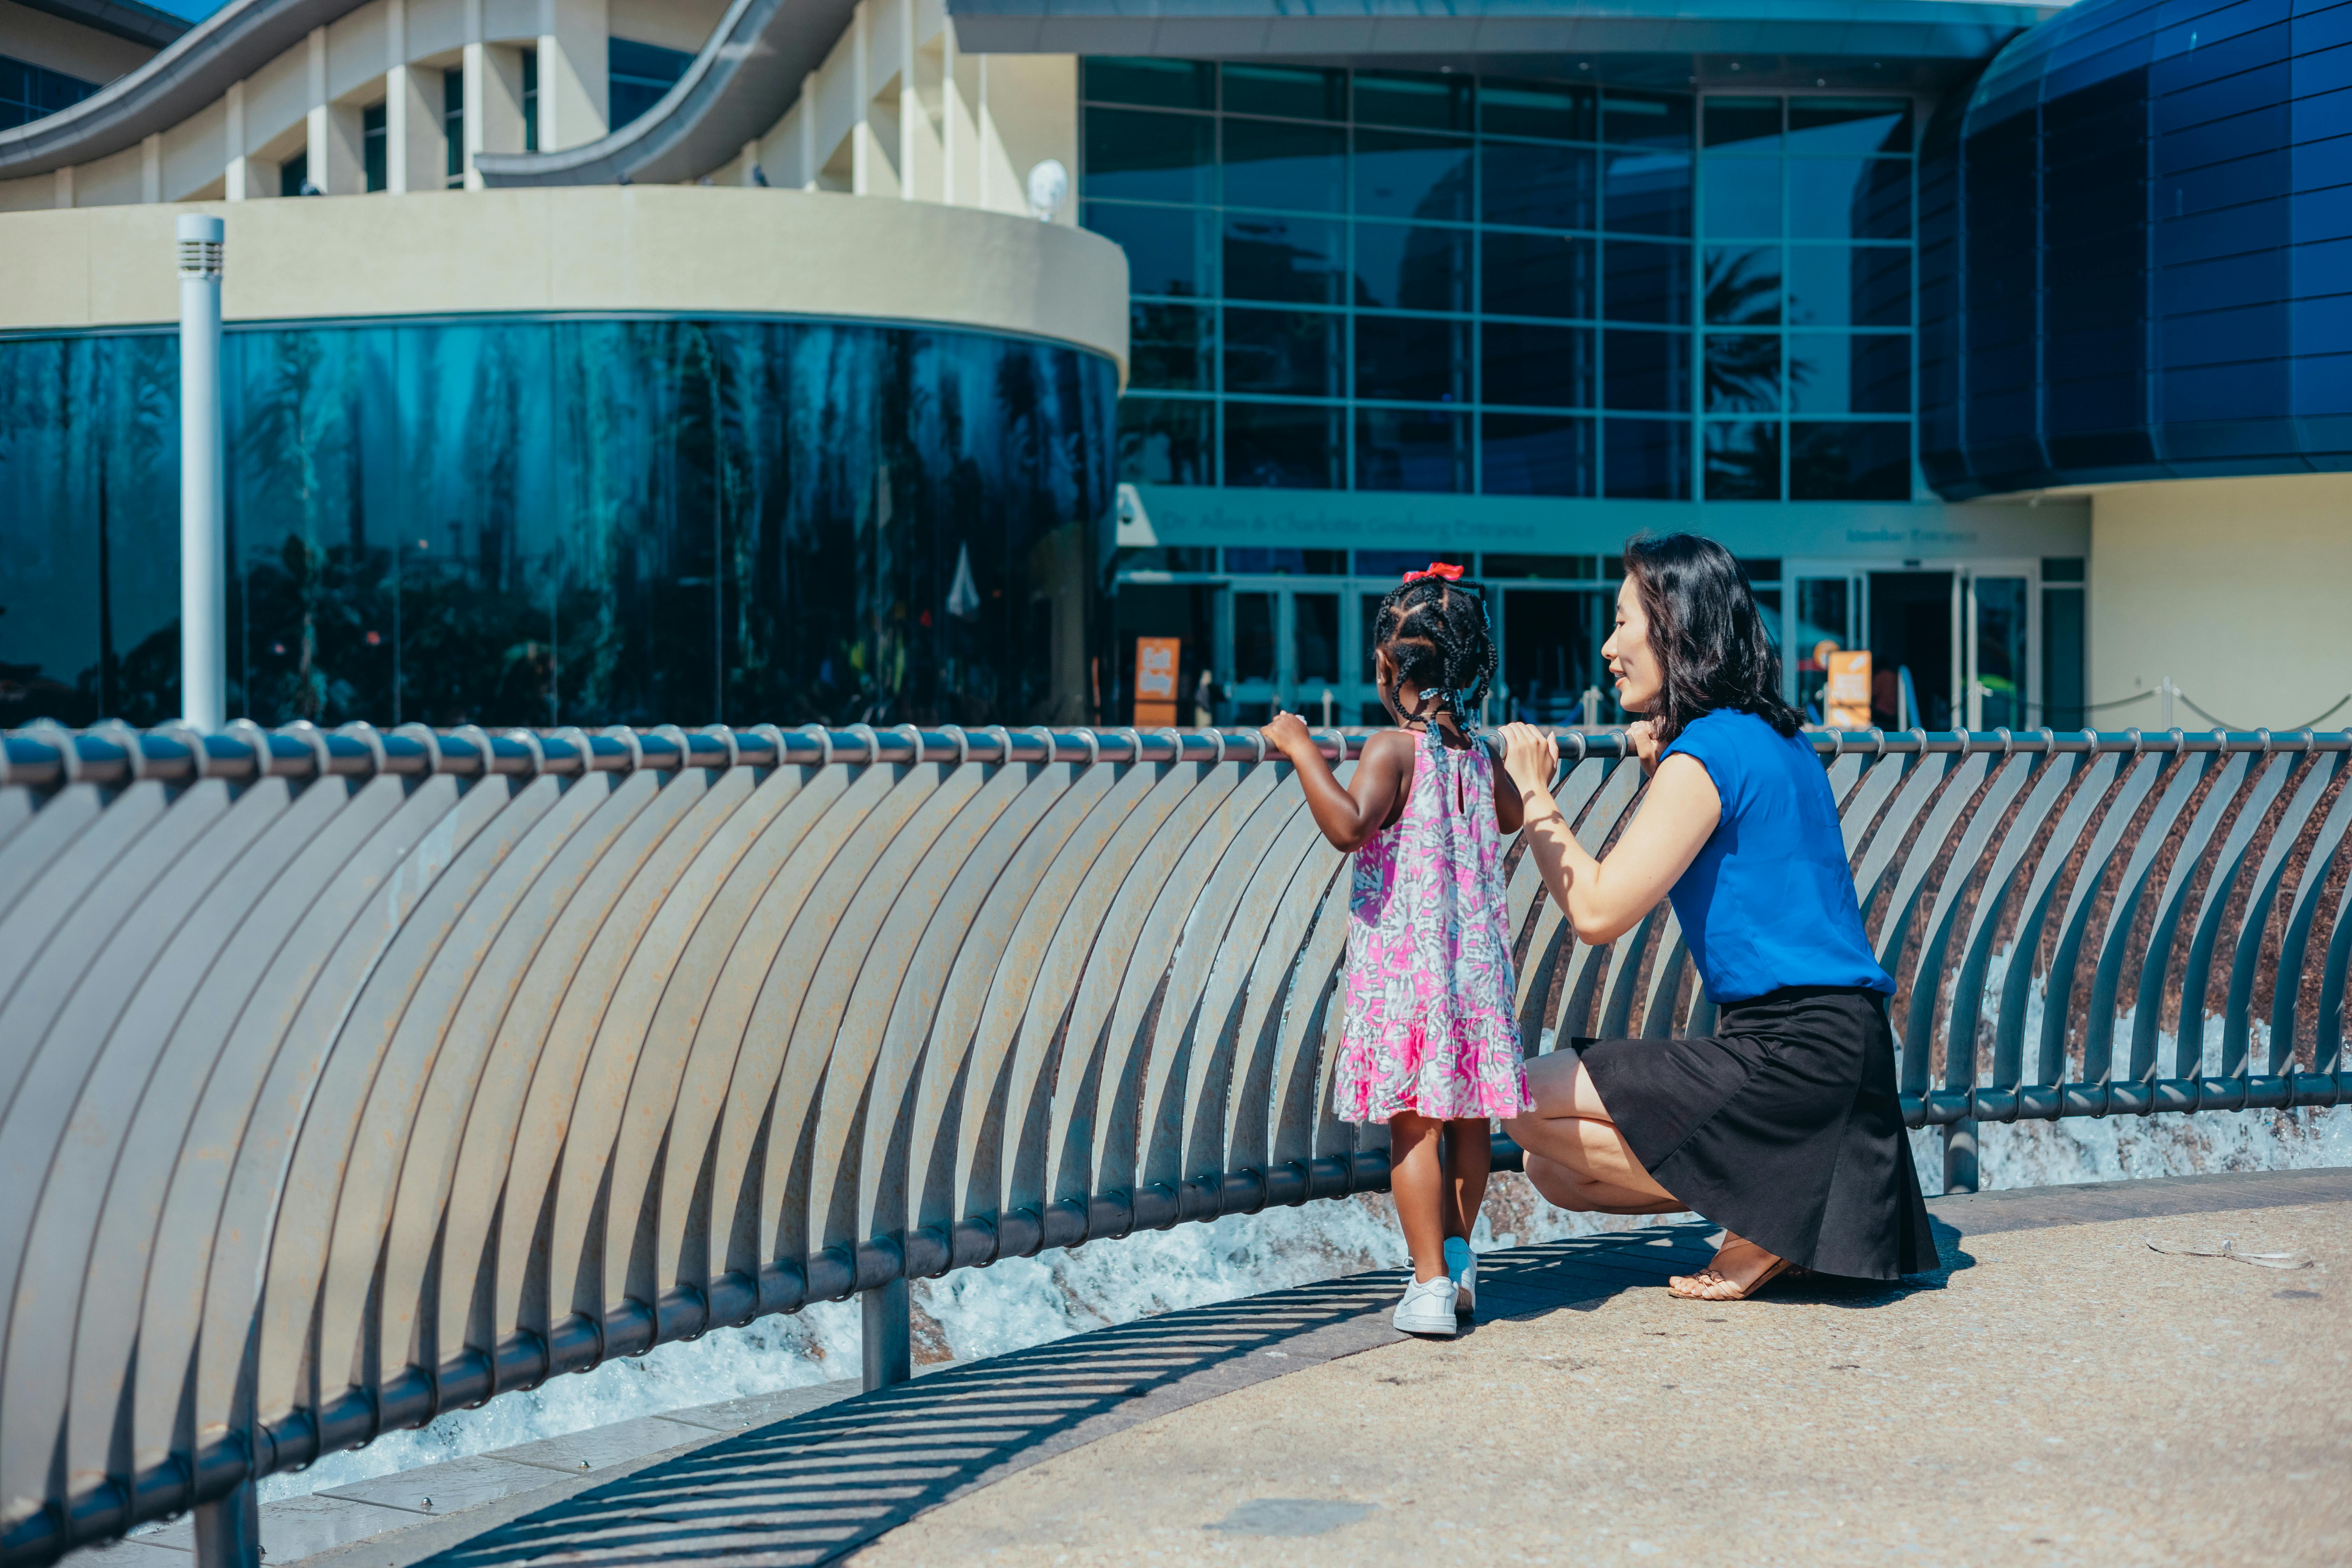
{"points": [[2135, 250], [559, 521]]}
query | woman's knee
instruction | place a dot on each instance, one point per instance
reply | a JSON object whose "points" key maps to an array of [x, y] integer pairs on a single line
{"points": [[1561, 1188]]}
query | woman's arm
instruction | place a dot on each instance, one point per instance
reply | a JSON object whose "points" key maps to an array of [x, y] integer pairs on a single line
{"points": [[1349, 816], [1603, 899]]}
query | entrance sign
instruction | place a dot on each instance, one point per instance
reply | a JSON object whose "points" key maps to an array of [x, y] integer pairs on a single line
{"points": [[1845, 704], [1155, 680]]}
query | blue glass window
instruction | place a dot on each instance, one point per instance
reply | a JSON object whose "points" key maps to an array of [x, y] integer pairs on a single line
{"points": [[30, 93], [1414, 359], [1421, 100], [1164, 441], [1300, 354], [1743, 286], [1646, 459], [639, 74], [568, 521], [1301, 261], [1293, 168], [1291, 445], [1849, 461], [1402, 174], [1646, 282], [1743, 373], [1169, 250], [1555, 111], [1743, 198], [1538, 367], [1743, 460], [1646, 192], [1413, 269], [1290, 92], [1536, 275], [1412, 449], [1535, 248], [1172, 347], [1161, 84], [1630, 118], [1531, 185], [1536, 455], [1646, 370], [1138, 156]]}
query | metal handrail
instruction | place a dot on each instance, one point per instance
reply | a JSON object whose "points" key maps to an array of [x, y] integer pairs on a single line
{"points": [[350, 1076]]}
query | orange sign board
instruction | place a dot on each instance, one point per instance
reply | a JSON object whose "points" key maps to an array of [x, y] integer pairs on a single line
{"points": [[1845, 703], [1155, 680]]}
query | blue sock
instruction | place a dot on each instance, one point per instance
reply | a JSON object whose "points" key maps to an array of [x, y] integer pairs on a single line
{"points": [[1457, 1256]]}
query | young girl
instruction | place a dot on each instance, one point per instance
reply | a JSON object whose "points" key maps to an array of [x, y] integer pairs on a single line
{"points": [[1430, 1044]]}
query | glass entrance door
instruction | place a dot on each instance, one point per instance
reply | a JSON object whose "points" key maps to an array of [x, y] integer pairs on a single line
{"points": [[1291, 646], [1952, 644]]}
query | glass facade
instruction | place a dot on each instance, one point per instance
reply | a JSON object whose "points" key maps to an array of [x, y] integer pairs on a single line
{"points": [[1392, 280], [640, 74], [30, 93], [565, 521], [2136, 242]]}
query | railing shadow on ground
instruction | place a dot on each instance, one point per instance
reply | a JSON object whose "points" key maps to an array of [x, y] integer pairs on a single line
{"points": [[355, 1078], [816, 1487]]}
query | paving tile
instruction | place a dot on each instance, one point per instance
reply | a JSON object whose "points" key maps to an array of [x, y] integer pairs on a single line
{"points": [[449, 1487], [601, 1447], [297, 1527]]}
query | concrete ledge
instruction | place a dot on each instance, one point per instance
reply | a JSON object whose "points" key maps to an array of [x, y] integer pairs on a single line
{"points": [[669, 248]]}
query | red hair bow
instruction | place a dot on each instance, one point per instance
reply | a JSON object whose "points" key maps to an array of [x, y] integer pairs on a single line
{"points": [[1445, 569]]}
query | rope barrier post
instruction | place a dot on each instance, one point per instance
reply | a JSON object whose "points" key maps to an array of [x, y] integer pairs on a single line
{"points": [[889, 1325], [228, 1529], [1960, 1155]]}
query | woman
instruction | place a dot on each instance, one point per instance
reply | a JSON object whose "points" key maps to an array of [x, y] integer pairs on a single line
{"points": [[1785, 1127]]}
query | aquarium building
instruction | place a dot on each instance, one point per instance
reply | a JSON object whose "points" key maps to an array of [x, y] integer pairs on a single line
{"points": [[615, 360]]}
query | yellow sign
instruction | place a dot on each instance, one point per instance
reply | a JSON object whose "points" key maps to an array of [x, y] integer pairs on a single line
{"points": [[1155, 680], [1845, 703]]}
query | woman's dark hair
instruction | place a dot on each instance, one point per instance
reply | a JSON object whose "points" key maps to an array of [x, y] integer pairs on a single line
{"points": [[1713, 650], [1435, 632]]}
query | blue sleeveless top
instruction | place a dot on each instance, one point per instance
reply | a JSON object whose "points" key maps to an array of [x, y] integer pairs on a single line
{"points": [[1769, 901]]}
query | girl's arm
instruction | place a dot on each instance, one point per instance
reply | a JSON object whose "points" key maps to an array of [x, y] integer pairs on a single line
{"points": [[1510, 809], [1603, 899], [1349, 816]]}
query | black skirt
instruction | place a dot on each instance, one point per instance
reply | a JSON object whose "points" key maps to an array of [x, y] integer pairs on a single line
{"points": [[1786, 1128]]}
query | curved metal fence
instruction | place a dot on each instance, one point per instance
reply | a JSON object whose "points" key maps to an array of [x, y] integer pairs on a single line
{"points": [[348, 1078]]}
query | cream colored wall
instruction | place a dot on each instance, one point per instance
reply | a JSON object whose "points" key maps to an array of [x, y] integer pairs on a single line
{"points": [[671, 24], [2239, 589], [597, 248], [55, 44]]}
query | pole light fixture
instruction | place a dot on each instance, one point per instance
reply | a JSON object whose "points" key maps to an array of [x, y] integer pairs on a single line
{"points": [[203, 565]]}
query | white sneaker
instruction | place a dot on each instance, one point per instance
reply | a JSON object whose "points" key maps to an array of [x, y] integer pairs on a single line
{"points": [[1427, 1309], [1462, 1268]]}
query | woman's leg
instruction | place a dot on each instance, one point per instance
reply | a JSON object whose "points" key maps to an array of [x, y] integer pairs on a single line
{"points": [[1576, 1156], [1469, 1160], [1417, 1181]]}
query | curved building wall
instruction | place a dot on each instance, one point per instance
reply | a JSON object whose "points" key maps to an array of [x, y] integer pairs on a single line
{"points": [[2136, 249], [553, 520], [629, 454]]}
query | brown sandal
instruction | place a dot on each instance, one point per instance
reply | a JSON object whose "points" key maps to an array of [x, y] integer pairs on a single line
{"points": [[1707, 1277]]}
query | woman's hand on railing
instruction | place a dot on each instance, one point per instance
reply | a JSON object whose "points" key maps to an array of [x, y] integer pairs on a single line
{"points": [[1641, 735]]}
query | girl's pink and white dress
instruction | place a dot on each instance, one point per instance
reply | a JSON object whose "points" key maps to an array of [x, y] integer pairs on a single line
{"points": [[1429, 1026]]}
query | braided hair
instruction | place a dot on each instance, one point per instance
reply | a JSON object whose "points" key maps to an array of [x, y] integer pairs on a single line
{"points": [[1435, 634]]}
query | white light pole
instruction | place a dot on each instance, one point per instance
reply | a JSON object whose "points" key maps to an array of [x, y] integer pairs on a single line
{"points": [[203, 551]]}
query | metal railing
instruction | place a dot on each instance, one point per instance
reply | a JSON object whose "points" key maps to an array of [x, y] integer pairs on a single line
{"points": [[347, 1078]]}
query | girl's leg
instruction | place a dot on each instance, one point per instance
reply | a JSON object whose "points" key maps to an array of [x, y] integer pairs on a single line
{"points": [[1417, 1181], [1469, 1160]]}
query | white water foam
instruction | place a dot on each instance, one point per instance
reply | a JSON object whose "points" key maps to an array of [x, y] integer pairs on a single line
{"points": [[1027, 1301]]}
